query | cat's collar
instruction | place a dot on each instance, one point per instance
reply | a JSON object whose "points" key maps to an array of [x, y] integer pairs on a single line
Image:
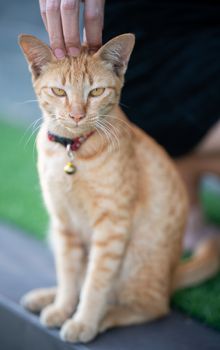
{"points": [[71, 145], [74, 144]]}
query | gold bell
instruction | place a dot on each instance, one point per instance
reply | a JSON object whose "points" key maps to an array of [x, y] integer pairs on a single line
{"points": [[70, 168]]}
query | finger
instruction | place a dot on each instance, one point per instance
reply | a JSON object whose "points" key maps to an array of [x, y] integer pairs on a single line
{"points": [[84, 36], [93, 18], [42, 4], [55, 28], [70, 23]]}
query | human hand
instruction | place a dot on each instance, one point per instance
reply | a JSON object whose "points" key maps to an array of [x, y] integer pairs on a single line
{"points": [[61, 19]]}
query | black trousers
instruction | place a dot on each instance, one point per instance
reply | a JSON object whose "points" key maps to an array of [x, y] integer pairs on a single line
{"points": [[172, 86]]}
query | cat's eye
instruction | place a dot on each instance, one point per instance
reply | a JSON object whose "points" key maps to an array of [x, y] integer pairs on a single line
{"points": [[58, 92], [97, 92]]}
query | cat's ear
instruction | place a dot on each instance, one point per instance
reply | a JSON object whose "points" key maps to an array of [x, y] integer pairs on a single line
{"points": [[117, 52], [36, 53]]}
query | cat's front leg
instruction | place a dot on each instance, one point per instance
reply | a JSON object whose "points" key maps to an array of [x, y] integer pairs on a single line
{"points": [[69, 258], [107, 250]]}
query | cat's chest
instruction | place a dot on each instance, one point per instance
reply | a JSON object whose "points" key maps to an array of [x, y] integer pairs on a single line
{"points": [[51, 168], [66, 194]]}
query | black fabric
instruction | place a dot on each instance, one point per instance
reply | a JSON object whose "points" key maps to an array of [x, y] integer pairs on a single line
{"points": [[172, 85]]}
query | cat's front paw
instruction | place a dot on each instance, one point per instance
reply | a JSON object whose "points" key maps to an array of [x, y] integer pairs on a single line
{"points": [[54, 316], [38, 299], [77, 331]]}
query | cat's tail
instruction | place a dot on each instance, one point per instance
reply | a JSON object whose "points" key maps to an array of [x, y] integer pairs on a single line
{"points": [[204, 264]]}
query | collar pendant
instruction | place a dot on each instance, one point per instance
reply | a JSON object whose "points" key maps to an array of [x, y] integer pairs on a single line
{"points": [[70, 168], [71, 145]]}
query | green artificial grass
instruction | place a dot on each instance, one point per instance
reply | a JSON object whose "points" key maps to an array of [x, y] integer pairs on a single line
{"points": [[202, 302], [21, 204], [20, 197], [210, 198]]}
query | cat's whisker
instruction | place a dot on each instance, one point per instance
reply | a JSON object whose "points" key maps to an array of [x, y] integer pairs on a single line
{"points": [[114, 131], [113, 138], [34, 148], [101, 139], [32, 125], [105, 132], [102, 129], [126, 127], [117, 119], [92, 124], [31, 135], [122, 104], [101, 136], [109, 135], [114, 117], [123, 125], [25, 102]]}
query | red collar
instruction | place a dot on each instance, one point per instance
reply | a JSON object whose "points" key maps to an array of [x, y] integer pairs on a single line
{"points": [[74, 143]]}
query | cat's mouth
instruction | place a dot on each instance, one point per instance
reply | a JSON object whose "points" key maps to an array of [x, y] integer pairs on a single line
{"points": [[80, 126]]}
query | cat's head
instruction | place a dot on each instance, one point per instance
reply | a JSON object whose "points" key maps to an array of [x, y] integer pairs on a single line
{"points": [[77, 93]]}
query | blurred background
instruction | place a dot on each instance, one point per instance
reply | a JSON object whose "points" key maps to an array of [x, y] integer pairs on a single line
{"points": [[17, 17], [20, 198]]}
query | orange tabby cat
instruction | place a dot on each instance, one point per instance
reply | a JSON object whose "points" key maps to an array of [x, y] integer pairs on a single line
{"points": [[118, 212]]}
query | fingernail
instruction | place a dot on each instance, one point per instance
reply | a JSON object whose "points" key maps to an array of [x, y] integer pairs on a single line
{"points": [[74, 51], [59, 53]]}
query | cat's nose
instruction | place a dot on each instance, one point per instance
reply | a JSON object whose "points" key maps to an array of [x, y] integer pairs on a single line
{"points": [[77, 117]]}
